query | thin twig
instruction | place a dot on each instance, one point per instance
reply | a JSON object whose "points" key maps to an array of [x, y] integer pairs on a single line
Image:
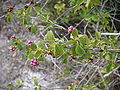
{"points": [[110, 34], [91, 76], [44, 4], [102, 77], [65, 12]]}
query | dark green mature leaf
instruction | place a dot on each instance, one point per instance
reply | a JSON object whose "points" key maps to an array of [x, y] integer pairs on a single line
{"points": [[37, 54], [41, 43], [75, 33], [79, 50], [73, 52], [109, 67], [58, 49], [41, 58], [19, 46], [33, 46]]}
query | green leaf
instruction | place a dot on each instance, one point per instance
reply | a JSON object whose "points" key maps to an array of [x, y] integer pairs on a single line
{"points": [[33, 46], [59, 6], [109, 56], [37, 54], [24, 21], [79, 2], [28, 10], [18, 81], [109, 67], [30, 56], [33, 29], [41, 58], [98, 35], [9, 18], [41, 43], [38, 9], [88, 3], [50, 36], [69, 42], [37, 88], [10, 85], [35, 81], [58, 49], [104, 47], [79, 50], [73, 52], [19, 84], [75, 33], [19, 46], [95, 2], [95, 18]]}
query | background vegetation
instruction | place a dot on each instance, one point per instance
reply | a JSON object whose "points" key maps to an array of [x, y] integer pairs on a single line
{"points": [[81, 38]]}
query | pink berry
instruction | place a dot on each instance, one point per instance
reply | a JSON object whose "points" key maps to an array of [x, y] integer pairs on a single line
{"points": [[12, 38], [12, 48], [34, 62], [70, 29], [29, 43]]}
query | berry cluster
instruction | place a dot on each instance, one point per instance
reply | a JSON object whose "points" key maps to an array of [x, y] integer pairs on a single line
{"points": [[10, 8], [34, 62], [70, 29], [12, 38], [12, 48], [29, 43]]}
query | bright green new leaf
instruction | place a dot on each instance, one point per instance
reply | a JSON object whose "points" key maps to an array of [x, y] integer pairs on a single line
{"points": [[37, 9], [79, 50], [58, 49], [104, 47], [9, 18], [35, 81], [98, 35], [59, 6], [80, 1], [50, 36], [33, 29], [28, 10], [88, 3]]}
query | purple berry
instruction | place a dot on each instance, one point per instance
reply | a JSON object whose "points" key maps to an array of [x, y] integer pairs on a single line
{"points": [[29, 43], [12, 48], [34, 62], [70, 29], [12, 38]]}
